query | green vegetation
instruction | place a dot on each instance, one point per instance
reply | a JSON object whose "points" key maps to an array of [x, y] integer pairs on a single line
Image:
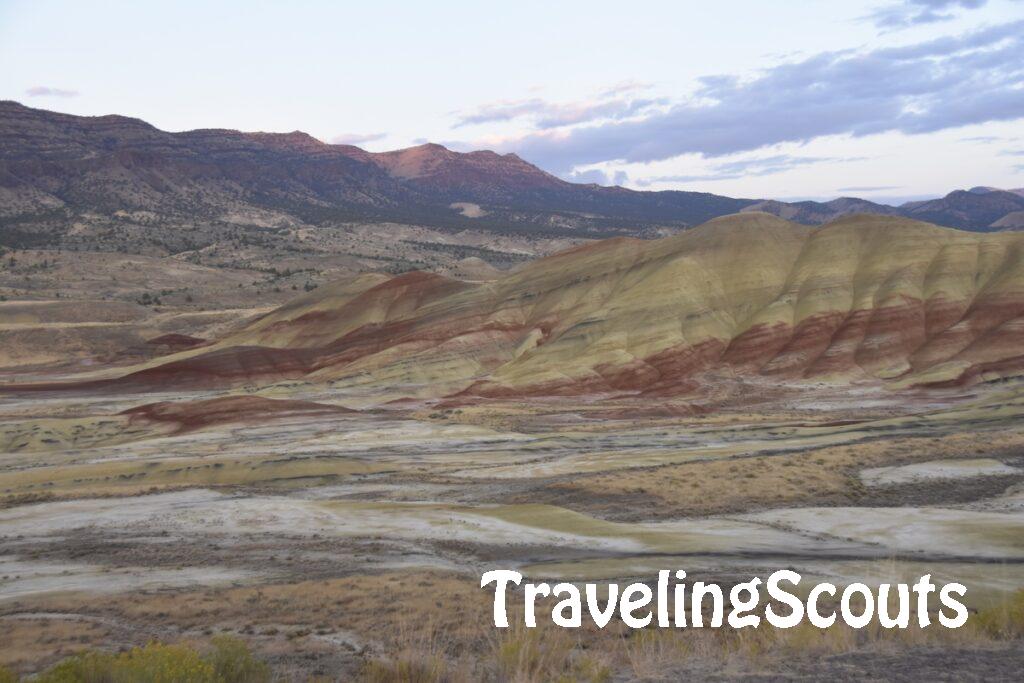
{"points": [[153, 663], [232, 661], [1004, 621], [462, 251], [226, 660]]}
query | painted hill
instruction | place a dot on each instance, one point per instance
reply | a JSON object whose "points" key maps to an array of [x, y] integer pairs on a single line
{"points": [[865, 298]]}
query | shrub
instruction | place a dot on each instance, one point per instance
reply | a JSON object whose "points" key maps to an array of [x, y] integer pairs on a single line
{"points": [[229, 661], [233, 662], [1005, 620]]}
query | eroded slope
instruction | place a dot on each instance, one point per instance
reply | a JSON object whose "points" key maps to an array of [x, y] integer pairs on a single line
{"points": [[865, 297]]}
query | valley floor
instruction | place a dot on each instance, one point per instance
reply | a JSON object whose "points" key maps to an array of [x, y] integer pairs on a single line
{"points": [[323, 526]]}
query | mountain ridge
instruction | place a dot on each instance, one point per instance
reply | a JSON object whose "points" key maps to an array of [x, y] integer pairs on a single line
{"points": [[56, 167], [54, 161]]}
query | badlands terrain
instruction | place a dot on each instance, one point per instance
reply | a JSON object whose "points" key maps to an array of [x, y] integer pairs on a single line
{"points": [[325, 472]]}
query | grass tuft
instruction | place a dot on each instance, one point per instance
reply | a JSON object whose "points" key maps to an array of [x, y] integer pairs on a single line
{"points": [[528, 655], [227, 661], [1004, 621], [154, 663]]}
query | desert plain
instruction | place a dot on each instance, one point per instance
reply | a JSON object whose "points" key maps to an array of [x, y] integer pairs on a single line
{"points": [[328, 478]]}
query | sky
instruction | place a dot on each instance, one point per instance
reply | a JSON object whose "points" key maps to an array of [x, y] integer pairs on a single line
{"points": [[891, 100]]}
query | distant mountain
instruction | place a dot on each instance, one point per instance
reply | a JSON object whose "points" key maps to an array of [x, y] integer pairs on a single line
{"points": [[980, 209], [967, 209], [983, 189], [57, 166], [815, 213], [57, 170]]}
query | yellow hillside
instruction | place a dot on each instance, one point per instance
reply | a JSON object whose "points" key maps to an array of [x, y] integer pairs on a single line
{"points": [[864, 296]]}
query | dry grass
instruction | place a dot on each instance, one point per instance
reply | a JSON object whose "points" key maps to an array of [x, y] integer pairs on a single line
{"points": [[650, 652], [588, 655], [518, 655], [27, 644], [1003, 621], [806, 477], [421, 654], [522, 655], [427, 628], [132, 478]]}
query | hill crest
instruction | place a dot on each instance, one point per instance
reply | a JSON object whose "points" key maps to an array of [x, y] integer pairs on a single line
{"points": [[861, 299]]}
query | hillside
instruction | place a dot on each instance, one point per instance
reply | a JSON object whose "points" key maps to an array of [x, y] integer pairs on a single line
{"points": [[864, 298]]}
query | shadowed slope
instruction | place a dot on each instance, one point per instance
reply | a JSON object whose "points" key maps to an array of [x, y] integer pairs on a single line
{"points": [[192, 415]]}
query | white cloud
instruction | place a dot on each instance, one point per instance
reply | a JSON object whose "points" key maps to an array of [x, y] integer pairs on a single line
{"points": [[46, 91]]}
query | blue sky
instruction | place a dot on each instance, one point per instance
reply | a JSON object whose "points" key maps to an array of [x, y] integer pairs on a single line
{"points": [[889, 100]]}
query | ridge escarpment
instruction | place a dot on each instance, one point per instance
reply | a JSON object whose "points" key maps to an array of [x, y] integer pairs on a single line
{"points": [[56, 169]]}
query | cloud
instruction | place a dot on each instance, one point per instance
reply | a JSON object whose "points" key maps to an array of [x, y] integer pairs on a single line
{"points": [[557, 116], [594, 175], [356, 138], [624, 87], [948, 82], [597, 176], [984, 139], [916, 12], [745, 168], [1012, 153], [46, 91], [869, 188], [501, 111], [545, 115]]}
